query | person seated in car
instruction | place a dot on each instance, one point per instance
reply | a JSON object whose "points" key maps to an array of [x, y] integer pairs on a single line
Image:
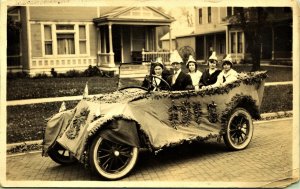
{"points": [[178, 80], [194, 73], [156, 83], [228, 75], [210, 75]]}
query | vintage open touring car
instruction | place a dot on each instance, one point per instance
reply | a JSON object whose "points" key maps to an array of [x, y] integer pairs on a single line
{"points": [[106, 131]]}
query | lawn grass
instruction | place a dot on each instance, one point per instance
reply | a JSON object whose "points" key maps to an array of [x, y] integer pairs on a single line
{"points": [[27, 88], [26, 122]]}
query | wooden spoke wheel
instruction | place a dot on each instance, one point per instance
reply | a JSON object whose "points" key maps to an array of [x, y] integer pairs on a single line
{"points": [[239, 130], [111, 160]]}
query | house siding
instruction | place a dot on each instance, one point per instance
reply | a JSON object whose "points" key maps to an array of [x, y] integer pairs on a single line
{"points": [[93, 40], [187, 41], [36, 43], [63, 13], [216, 19]]}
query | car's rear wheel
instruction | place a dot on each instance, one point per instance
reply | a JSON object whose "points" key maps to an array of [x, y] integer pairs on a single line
{"points": [[111, 160], [60, 155], [239, 130]]}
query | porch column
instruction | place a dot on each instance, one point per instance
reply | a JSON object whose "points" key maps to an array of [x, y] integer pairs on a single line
{"points": [[98, 46], [170, 38], [156, 39], [111, 62], [147, 39], [227, 41], [104, 45], [273, 43]]}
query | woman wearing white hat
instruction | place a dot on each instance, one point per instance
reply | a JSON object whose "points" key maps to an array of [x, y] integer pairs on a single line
{"points": [[194, 73], [210, 75], [228, 74], [156, 84]]}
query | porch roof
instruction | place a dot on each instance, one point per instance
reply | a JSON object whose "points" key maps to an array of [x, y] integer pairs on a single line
{"points": [[134, 16]]}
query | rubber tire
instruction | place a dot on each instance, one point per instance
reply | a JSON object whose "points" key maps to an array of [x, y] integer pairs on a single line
{"points": [[58, 158], [227, 139], [101, 172]]}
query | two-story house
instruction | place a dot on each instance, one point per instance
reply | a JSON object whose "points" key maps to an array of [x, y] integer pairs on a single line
{"points": [[213, 32], [65, 38]]}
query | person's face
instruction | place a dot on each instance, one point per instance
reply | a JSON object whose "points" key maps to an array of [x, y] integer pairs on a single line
{"points": [[212, 64], [226, 67], [192, 67], [176, 66], [158, 70]]}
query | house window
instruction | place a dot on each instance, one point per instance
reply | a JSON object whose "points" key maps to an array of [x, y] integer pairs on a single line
{"points": [[209, 14], [200, 16], [240, 42], [233, 42], [48, 40], [82, 39], [65, 43], [65, 39]]}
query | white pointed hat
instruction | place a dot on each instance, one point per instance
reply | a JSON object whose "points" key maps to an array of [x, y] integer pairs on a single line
{"points": [[175, 57], [227, 59], [159, 62], [191, 59], [213, 56]]}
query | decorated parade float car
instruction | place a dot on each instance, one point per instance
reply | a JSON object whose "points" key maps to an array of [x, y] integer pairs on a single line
{"points": [[107, 131]]}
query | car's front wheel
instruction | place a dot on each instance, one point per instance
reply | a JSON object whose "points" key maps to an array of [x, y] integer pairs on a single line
{"points": [[111, 160], [239, 130]]}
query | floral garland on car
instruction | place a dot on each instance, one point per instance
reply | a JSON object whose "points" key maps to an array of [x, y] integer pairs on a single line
{"points": [[247, 78], [239, 99], [130, 95]]}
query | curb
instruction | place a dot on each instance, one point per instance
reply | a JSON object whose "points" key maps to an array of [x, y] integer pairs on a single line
{"points": [[36, 145]]}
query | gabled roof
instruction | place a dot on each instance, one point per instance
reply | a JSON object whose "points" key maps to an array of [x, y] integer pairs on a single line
{"points": [[129, 15]]}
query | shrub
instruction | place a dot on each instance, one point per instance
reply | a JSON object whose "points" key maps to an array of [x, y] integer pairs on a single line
{"points": [[11, 75], [92, 71], [40, 76], [53, 72], [72, 73]]}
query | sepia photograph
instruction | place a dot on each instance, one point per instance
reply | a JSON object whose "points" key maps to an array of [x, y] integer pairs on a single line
{"points": [[150, 94]]}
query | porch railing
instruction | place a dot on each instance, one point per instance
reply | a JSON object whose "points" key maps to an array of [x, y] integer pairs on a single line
{"points": [[148, 56]]}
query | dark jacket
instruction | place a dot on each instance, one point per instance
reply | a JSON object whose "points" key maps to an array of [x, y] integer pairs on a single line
{"points": [[147, 84], [183, 82], [207, 79]]}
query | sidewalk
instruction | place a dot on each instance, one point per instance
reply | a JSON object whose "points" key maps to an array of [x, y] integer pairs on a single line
{"points": [[70, 98]]}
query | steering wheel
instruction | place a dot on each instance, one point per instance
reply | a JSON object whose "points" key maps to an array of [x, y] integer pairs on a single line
{"points": [[152, 82], [150, 79]]}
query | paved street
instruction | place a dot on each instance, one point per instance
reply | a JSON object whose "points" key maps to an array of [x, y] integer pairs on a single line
{"points": [[267, 158]]}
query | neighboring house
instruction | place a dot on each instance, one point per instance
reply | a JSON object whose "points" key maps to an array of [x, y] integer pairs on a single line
{"points": [[213, 33], [66, 38]]}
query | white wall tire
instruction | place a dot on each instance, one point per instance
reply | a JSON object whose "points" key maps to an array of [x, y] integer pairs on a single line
{"points": [[111, 160], [239, 130]]}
